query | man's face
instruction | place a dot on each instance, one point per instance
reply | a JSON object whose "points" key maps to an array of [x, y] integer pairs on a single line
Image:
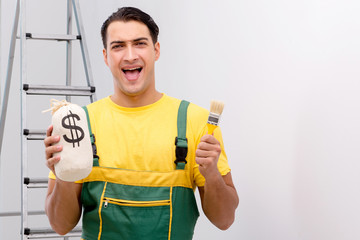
{"points": [[131, 56]]}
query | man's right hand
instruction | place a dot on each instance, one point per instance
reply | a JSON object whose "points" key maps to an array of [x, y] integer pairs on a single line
{"points": [[50, 149], [62, 204]]}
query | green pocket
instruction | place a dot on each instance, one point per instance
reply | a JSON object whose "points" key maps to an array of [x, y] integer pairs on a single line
{"points": [[133, 217], [137, 220]]}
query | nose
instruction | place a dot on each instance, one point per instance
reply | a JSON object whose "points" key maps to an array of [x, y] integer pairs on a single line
{"points": [[130, 54]]}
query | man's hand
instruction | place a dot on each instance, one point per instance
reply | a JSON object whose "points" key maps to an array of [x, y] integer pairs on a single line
{"points": [[207, 155], [50, 149], [62, 204], [218, 196]]}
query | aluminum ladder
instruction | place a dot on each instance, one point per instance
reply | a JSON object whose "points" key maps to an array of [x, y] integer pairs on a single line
{"points": [[67, 90]]}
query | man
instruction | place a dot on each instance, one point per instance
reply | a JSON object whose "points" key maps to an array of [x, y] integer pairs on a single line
{"points": [[139, 188]]}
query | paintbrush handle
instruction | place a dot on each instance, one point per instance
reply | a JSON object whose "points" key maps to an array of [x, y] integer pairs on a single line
{"points": [[211, 128]]}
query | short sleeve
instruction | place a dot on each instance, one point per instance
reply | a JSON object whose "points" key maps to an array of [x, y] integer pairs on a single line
{"points": [[52, 175]]}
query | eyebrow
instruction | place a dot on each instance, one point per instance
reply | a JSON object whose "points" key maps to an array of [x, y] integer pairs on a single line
{"points": [[134, 40]]}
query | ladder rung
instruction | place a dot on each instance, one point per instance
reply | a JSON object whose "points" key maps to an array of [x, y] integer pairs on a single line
{"points": [[13, 214], [58, 90], [36, 233], [36, 182], [32, 134], [56, 37]]}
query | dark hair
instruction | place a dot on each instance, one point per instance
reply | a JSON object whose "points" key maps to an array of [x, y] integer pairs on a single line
{"points": [[126, 14]]}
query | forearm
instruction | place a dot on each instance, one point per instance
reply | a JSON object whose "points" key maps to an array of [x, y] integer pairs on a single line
{"points": [[63, 206], [219, 201]]}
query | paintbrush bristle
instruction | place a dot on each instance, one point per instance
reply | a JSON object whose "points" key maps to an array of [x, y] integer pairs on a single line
{"points": [[216, 107]]}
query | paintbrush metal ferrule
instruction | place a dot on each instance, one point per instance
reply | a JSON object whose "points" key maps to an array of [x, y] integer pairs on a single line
{"points": [[213, 119]]}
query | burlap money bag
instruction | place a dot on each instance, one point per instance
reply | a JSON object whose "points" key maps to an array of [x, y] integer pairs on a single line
{"points": [[76, 159]]}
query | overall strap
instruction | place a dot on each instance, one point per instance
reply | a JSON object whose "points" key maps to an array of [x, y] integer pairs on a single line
{"points": [[181, 140], [92, 137]]}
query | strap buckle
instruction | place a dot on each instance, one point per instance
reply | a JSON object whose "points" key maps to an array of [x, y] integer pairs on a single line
{"points": [[92, 136], [181, 150]]}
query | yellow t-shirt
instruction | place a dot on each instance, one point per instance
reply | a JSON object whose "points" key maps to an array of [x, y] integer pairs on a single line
{"points": [[143, 138]]}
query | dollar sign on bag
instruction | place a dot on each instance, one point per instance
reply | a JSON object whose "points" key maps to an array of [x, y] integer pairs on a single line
{"points": [[73, 129]]}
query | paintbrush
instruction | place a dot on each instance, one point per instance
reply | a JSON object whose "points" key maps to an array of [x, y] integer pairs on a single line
{"points": [[216, 108]]}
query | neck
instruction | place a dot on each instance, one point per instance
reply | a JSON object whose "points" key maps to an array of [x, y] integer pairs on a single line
{"points": [[136, 100]]}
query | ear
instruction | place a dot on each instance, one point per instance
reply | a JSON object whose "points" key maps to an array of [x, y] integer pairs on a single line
{"points": [[157, 51], [105, 57]]}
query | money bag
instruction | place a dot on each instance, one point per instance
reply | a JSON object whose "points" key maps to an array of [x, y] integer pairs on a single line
{"points": [[70, 123]]}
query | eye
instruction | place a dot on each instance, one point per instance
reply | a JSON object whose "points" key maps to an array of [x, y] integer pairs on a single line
{"points": [[141, 44], [115, 46]]}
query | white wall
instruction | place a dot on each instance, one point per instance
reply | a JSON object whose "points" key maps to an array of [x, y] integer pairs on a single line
{"points": [[288, 72]]}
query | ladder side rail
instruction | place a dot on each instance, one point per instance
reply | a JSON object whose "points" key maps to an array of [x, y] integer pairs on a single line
{"points": [[83, 45], [23, 80], [8, 75], [69, 46]]}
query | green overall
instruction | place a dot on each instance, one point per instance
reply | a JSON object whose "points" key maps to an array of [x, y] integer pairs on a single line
{"points": [[122, 204]]}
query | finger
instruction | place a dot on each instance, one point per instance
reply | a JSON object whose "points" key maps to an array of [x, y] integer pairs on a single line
{"points": [[49, 130], [205, 146], [205, 162], [50, 163], [49, 151], [50, 140], [206, 154], [201, 161], [200, 153], [209, 139]]}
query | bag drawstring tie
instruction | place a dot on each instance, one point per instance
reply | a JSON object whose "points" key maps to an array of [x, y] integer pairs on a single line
{"points": [[55, 105]]}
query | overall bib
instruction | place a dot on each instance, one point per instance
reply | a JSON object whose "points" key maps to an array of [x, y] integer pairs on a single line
{"points": [[123, 204]]}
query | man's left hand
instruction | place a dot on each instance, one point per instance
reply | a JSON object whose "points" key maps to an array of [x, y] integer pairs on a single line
{"points": [[207, 155]]}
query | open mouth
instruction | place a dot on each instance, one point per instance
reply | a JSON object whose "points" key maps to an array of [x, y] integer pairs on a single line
{"points": [[132, 73]]}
